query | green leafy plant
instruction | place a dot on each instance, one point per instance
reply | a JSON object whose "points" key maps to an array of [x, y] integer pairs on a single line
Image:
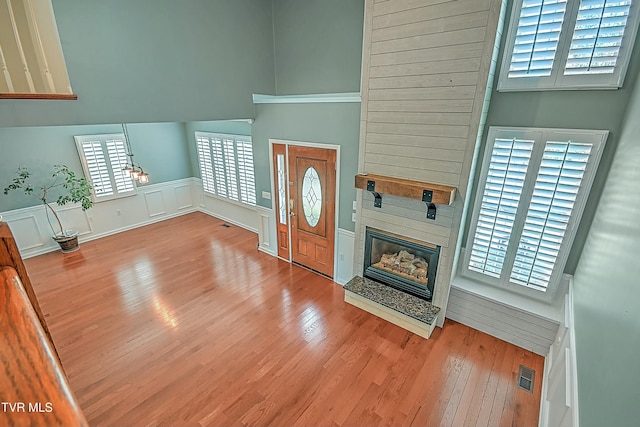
{"points": [[69, 187]]}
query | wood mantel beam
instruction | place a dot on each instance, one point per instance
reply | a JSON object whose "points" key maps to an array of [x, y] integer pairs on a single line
{"points": [[440, 194]]}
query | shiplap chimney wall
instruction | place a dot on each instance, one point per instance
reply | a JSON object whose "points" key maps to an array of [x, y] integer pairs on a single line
{"points": [[425, 71]]}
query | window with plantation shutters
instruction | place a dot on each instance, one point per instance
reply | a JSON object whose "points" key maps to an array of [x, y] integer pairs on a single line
{"points": [[226, 166], [531, 193], [103, 158], [568, 44]]}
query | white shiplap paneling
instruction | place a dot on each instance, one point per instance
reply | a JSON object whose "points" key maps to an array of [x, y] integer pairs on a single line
{"points": [[525, 330], [424, 74], [449, 23], [424, 11]]}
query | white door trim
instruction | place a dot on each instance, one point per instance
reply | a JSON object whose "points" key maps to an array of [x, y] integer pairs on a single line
{"points": [[288, 143]]}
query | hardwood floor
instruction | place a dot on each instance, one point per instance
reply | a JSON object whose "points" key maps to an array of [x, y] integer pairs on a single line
{"points": [[185, 322]]}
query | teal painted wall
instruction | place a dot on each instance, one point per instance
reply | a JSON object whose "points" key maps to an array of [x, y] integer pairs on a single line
{"points": [[161, 148], [232, 127], [583, 109], [318, 45], [607, 292], [157, 61], [318, 49], [337, 124]]}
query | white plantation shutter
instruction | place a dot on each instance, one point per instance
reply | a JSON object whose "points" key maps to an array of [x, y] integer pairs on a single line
{"points": [[597, 36], [230, 167], [218, 166], [504, 183], [103, 158], [531, 194], [537, 37], [246, 172], [552, 203], [565, 44], [118, 159], [226, 166], [206, 167], [96, 167]]}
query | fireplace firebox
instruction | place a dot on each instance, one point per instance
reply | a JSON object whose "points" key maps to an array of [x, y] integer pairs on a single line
{"points": [[407, 265]]}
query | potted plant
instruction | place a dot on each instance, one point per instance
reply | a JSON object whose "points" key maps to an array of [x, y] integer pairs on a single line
{"points": [[66, 187]]}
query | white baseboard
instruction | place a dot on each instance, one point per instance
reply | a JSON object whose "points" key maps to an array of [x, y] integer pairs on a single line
{"points": [[229, 220], [156, 218]]}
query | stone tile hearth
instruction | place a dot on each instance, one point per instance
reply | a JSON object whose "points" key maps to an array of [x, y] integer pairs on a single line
{"points": [[405, 310]]}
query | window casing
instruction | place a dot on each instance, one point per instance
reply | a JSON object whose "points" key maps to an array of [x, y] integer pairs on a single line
{"points": [[568, 44], [226, 166], [531, 194], [103, 158]]}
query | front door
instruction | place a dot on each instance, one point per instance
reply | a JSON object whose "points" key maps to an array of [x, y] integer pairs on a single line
{"points": [[312, 204]]}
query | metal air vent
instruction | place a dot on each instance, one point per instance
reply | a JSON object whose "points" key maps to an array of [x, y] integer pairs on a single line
{"points": [[525, 378]]}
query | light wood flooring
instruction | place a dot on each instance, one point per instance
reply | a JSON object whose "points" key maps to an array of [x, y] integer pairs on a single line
{"points": [[185, 322]]}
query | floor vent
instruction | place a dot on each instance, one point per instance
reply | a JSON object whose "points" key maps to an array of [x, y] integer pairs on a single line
{"points": [[525, 378], [226, 225]]}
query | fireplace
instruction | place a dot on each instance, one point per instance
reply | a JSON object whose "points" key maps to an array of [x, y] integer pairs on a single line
{"points": [[407, 265]]}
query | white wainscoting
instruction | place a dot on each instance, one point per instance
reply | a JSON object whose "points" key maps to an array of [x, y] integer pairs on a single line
{"points": [[152, 203], [267, 236], [344, 261], [559, 403]]}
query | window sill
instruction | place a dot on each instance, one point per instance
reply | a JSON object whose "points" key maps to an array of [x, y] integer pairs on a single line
{"points": [[60, 96], [508, 89], [552, 312]]}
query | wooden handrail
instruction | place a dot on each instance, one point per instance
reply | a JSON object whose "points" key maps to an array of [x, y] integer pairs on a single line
{"points": [[33, 387], [10, 256]]}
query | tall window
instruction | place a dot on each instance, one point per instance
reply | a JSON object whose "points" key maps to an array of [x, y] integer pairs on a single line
{"points": [[103, 159], [568, 44], [531, 195], [226, 166]]}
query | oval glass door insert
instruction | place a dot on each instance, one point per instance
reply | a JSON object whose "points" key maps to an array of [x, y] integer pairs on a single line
{"points": [[311, 196]]}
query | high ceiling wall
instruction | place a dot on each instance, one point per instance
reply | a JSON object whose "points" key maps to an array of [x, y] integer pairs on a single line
{"points": [[157, 61]]}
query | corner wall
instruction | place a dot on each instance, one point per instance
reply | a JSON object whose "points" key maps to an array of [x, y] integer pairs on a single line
{"points": [[607, 291]]}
